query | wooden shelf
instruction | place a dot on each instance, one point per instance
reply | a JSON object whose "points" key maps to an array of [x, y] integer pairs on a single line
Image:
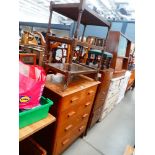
{"points": [[72, 69], [31, 129], [89, 16], [81, 13], [115, 43]]}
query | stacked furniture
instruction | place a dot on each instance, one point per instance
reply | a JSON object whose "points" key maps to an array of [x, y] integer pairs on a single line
{"points": [[34, 49], [71, 107], [84, 15], [119, 45], [111, 89]]}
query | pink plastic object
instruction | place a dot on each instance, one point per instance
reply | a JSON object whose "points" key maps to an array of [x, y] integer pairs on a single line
{"points": [[31, 83]]}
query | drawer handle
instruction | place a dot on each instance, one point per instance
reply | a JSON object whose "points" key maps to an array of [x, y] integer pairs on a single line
{"points": [[71, 113], [87, 104], [82, 127], [74, 99], [65, 141], [68, 127], [90, 92], [85, 115]]}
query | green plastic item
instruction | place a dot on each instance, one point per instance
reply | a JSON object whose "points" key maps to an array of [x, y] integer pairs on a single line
{"points": [[99, 52], [94, 51], [31, 116]]}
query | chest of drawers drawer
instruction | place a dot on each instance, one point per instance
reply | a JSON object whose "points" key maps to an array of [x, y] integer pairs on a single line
{"points": [[69, 114], [89, 94], [71, 100], [67, 127], [66, 140], [63, 142], [77, 98], [81, 128], [85, 107], [83, 116]]}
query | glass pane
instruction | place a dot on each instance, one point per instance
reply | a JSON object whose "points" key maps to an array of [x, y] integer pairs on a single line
{"points": [[122, 46]]}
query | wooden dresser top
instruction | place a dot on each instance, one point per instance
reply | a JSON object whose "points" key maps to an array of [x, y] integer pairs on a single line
{"points": [[56, 84]]}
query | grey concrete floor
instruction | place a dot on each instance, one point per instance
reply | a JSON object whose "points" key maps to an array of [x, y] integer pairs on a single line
{"points": [[112, 135]]}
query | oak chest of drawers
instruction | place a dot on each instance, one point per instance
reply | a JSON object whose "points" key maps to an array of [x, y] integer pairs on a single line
{"points": [[71, 108]]}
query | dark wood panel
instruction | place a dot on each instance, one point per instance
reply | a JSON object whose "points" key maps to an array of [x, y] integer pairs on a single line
{"points": [[102, 90], [89, 17], [112, 46]]}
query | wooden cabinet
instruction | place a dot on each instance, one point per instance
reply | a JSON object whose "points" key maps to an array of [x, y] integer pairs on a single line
{"points": [[119, 45], [105, 77], [28, 58], [71, 107]]}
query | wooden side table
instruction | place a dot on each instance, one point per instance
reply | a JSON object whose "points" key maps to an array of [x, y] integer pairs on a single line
{"points": [[28, 55]]}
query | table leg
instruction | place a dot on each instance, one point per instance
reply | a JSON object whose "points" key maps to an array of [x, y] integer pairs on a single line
{"points": [[67, 80]]}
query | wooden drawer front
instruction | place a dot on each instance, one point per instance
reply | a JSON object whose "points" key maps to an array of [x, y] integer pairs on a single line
{"points": [[67, 140], [83, 116], [81, 128], [64, 142], [71, 100], [85, 107], [69, 115], [68, 127], [90, 94]]}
